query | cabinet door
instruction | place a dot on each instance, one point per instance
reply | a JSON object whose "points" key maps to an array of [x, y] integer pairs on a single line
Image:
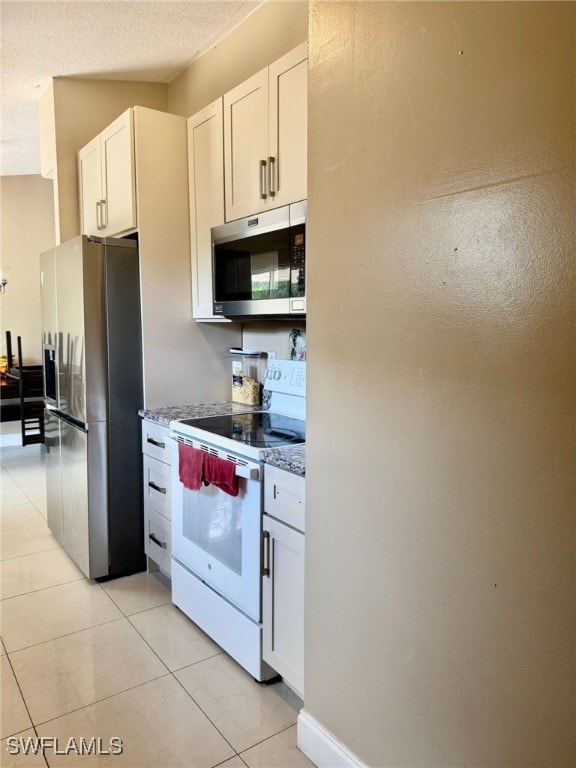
{"points": [[283, 604], [118, 179], [288, 121], [206, 180], [90, 183], [246, 146]]}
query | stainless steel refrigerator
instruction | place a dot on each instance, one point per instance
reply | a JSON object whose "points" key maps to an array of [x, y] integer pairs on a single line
{"points": [[92, 350]]}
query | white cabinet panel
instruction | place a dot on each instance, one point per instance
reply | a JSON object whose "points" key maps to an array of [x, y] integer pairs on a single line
{"points": [[107, 180], [284, 497], [288, 126], [206, 187], [283, 585], [265, 137], [246, 146], [156, 441], [119, 189], [90, 182], [158, 535], [157, 486], [283, 603]]}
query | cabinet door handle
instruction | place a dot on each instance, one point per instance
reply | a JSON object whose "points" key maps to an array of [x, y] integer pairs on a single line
{"points": [[156, 540], [98, 214], [104, 209], [265, 553], [263, 179], [272, 176], [157, 487], [157, 443]]}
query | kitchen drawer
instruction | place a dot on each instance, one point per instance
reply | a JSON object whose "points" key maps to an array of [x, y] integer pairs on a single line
{"points": [[157, 486], [158, 533], [284, 496], [156, 441]]}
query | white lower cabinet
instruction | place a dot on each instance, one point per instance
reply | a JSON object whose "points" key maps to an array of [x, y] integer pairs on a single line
{"points": [[283, 580], [157, 496], [158, 539]]}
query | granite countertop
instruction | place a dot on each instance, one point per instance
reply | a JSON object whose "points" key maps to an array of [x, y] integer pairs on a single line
{"points": [[291, 458], [168, 413]]}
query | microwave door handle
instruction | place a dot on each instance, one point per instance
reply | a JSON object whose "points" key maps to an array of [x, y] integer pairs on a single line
{"points": [[263, 179]]}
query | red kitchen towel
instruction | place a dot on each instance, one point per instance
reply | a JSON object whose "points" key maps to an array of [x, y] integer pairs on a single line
{"points": [[220, 473], [190, 464]]}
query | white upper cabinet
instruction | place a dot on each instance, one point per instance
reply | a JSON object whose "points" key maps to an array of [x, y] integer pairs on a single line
{"points": [[288, 127], [265, 129], [206, 191], [107, 180], [246, 146]]}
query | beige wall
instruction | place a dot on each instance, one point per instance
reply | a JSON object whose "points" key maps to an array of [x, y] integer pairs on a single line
{"points": [[441, 439], [271, 31], [27, 229]]}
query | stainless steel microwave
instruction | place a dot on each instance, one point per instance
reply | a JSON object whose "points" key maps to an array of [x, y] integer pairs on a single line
{"points": [[259, 264]]}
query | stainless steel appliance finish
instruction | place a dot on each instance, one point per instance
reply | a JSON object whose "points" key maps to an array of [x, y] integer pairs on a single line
{"points": [[93, 390], [259, 264]]}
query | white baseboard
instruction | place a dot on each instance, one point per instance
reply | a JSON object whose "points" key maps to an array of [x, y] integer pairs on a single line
{"points": [[322, 747]]}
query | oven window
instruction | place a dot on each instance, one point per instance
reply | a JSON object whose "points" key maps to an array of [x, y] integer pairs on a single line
{"points": [[253, 268], [213, 522]]}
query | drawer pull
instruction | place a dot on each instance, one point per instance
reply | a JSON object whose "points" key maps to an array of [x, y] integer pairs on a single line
{"points": [[157, 443], [156, 540], [157, 487]]}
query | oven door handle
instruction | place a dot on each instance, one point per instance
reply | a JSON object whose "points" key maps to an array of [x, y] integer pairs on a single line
{"points": [[250, 473]]}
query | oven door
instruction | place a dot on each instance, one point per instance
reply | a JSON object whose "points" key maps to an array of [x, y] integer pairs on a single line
{"points": [[217, 536]]}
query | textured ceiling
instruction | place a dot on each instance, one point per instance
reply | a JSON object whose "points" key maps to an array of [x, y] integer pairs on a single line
{"points": [[144, 40]]}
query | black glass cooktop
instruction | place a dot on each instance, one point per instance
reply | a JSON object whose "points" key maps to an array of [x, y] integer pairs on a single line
{"points": [[261, 429]]}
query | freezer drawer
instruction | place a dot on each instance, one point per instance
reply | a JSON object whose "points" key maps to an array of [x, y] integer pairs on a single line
{"points": [[84, 497]]}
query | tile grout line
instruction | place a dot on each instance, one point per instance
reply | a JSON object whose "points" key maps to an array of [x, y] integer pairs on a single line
{"points": [[41, 589], [176, 679], [21, 696], [207, 716], [68, 634], [99, 701], [127, 617], [7, 559]]}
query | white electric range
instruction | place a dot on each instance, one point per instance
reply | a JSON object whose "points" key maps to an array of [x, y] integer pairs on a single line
{"points": [[217, 539]]}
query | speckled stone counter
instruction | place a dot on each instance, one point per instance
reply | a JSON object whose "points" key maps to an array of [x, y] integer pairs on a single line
{"points": [[292, 458], [170, 413]]}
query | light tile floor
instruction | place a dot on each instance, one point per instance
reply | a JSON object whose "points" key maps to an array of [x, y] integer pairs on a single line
{"points": [[84, 659]]}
